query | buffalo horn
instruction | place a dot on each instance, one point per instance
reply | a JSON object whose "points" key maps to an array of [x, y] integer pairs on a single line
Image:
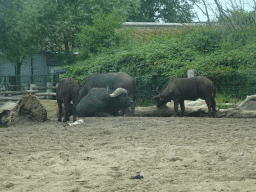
{"points": [[157, 89], [117, 92]]}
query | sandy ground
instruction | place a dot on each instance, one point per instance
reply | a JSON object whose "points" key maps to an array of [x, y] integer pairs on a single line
{"points": [[104, 154]]}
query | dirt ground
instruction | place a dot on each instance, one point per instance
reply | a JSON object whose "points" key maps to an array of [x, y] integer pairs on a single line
{"points": [[112, 154]]}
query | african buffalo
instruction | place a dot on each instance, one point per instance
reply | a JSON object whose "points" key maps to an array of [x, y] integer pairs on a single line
{"points": [[180, 89], [99, 102], [114, 80], [67, 91]]}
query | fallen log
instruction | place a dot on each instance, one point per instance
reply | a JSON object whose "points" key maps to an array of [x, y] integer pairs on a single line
{"points": [[248, 98], [197, 109]]}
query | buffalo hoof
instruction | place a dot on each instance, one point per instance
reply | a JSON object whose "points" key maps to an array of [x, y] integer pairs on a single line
{"points": [[64, 120], [59, 119]]}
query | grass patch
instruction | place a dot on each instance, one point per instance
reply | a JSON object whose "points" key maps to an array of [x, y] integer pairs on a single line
{"points": [[51, 107], [145, 102], [3, 126], [225, 101]]}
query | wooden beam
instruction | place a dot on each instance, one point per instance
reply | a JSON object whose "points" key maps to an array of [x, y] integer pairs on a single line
{"points": [[46, 94], [44, 87], [18, 92], [10, 98]]}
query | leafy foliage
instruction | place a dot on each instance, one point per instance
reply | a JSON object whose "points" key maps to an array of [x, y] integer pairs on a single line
{"points": [[16, 39], [239, 17], [101, 34], [15, 36], [155, 59]]}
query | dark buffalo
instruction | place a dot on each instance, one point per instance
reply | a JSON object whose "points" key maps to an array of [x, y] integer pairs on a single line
{"points": [[99, 102], [67, 91], [114, 81], [180, 89]]}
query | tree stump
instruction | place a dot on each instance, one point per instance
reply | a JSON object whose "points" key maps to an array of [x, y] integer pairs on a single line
{"points": [[28, 107]]}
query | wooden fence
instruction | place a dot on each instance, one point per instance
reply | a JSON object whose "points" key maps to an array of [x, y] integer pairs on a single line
{"points": [[34, 89]]}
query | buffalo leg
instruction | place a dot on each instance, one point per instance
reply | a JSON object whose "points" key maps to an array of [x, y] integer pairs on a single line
{"points": [[182, 106], [130, 110], [60, 109], [121, 113], [176, 104], [209, 105], [67, 109], [70, 112], [214, 107], [127, 112], [74, 112], [133, 108]]}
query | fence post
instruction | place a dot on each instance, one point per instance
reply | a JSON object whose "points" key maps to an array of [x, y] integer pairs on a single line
{"points": [[191, 73], [55, 78], [49, 84], [24, 87], [234, 86], [5, 79], [32, 86], [31, 79]]}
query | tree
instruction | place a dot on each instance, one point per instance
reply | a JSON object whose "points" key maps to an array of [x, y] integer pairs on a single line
{"points": [[56, 26], [59, 22], [15, 31], [163, 10], [101, 34], [126, 7], [239, 17]]}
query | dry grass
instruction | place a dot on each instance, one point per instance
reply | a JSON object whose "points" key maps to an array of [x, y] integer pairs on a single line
{"points": [[51, 107]]}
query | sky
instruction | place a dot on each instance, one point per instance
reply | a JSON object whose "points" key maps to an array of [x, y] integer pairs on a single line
{"points": [[246, 4]]}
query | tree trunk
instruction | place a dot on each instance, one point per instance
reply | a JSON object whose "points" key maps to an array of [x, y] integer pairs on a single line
{"points": [[67, 52], [18, 79], [32, 71]]}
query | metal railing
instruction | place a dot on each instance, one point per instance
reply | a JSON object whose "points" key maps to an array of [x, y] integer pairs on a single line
{"points": [[18, 81], [239, 85]]}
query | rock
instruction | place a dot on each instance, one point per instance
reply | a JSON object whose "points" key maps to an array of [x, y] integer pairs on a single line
{"points": [[137, 177], [250, 105]]}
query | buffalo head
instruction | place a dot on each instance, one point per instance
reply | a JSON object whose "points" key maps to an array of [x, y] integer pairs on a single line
{"points": [[160, 101], [121, 97]]}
